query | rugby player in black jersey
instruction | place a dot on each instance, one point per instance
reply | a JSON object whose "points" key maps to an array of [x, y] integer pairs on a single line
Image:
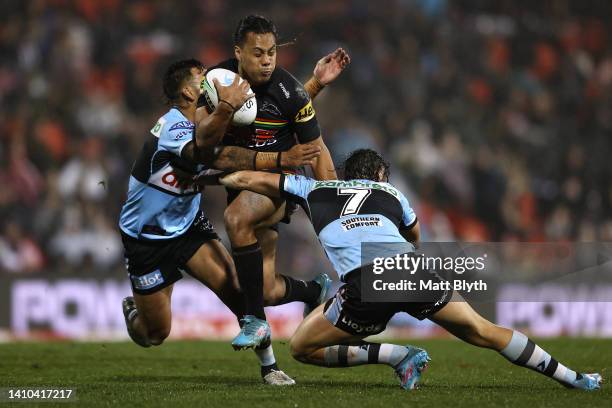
{"points": [[285, 117]]}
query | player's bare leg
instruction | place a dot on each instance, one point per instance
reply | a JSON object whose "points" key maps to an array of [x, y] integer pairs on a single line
{"points": [[213, 266], [274, 284], [318, 342], [149, 317], [461, 320]]}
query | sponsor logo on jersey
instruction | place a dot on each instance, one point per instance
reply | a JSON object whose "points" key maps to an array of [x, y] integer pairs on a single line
{"points": [[356, 183], [148, 281], [285, 91], [360, 328], [263, 134], [355, 222], [306, 113], [263, 137], [182, 134], [156, 131], [166, 179], [182, 125]]}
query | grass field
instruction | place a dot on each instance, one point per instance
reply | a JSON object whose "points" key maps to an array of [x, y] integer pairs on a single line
{"points": [[211, 374]]}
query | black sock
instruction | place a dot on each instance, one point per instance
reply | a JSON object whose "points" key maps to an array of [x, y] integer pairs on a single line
{"points": [[265, 370], [237, 305], [299, 291], [249, 267]]}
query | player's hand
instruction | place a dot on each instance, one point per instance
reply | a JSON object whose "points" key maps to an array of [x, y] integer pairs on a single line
{"points": [[330, 66], [300, 155], [229, 179], [235, 94]]}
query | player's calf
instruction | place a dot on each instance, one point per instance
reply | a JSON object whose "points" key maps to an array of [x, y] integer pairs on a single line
{"points": [[524, 352], [462, 321], [139, 332], [130, 314]]}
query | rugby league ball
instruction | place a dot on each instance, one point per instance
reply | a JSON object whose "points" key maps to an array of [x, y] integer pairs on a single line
{"points": [[247, 112]]}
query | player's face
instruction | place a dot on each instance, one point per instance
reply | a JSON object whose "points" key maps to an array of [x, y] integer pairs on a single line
{"points": [[192, 88], [257, 57]]}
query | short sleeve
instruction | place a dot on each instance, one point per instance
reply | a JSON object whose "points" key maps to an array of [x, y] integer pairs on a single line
{"points": [[296, 185], [173, 137], [409, 217], [303, 115]]}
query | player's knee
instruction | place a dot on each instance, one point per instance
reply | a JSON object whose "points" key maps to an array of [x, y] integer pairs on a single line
{"points": [[298, 351], [158, 335], [235, 221]]}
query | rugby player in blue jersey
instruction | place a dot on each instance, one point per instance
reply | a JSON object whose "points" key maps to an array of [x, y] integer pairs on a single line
{"points": [[332, 335], [164, 231]]}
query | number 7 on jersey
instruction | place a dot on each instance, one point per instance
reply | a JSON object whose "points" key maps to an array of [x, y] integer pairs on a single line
{"points": [[355, 201]]}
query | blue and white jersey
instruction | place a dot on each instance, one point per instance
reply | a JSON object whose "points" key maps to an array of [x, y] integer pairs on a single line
{"points": [[157, 207], [346, 213]]}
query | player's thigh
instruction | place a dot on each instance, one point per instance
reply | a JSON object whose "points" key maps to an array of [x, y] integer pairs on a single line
{"points": [[212, 265], [316, 332], [252, 210], [154, 311]]}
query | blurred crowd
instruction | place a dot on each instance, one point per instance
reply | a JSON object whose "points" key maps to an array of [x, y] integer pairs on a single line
{"points": [[495, 115]]}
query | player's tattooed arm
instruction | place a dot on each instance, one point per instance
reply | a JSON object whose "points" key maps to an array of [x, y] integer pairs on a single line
{"points": [[326, 71], [323, 166], [256, 181], [232, 158]]}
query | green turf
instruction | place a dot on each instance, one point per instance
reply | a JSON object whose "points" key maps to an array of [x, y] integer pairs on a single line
{"points": [[210, 374]]}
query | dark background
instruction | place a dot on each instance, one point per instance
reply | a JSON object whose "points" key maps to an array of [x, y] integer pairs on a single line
{"points": [[495, 115]]}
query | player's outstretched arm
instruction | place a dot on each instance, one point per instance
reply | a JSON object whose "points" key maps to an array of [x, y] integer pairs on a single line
{"points": [[323, 166], [326, 71], [256, 181], [232, 158]]}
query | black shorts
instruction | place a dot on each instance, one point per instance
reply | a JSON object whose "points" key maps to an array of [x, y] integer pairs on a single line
{"points": [[153, 265], [347, 312]]}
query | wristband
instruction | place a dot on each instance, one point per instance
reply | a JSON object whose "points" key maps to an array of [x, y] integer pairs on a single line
{"points": [[319, 84], [255, 161], [278, 160], [230, 105]]}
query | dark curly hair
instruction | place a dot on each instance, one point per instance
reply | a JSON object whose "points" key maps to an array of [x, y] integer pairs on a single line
{"points": [[175, 76], [365, 164], [253, 24]]}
